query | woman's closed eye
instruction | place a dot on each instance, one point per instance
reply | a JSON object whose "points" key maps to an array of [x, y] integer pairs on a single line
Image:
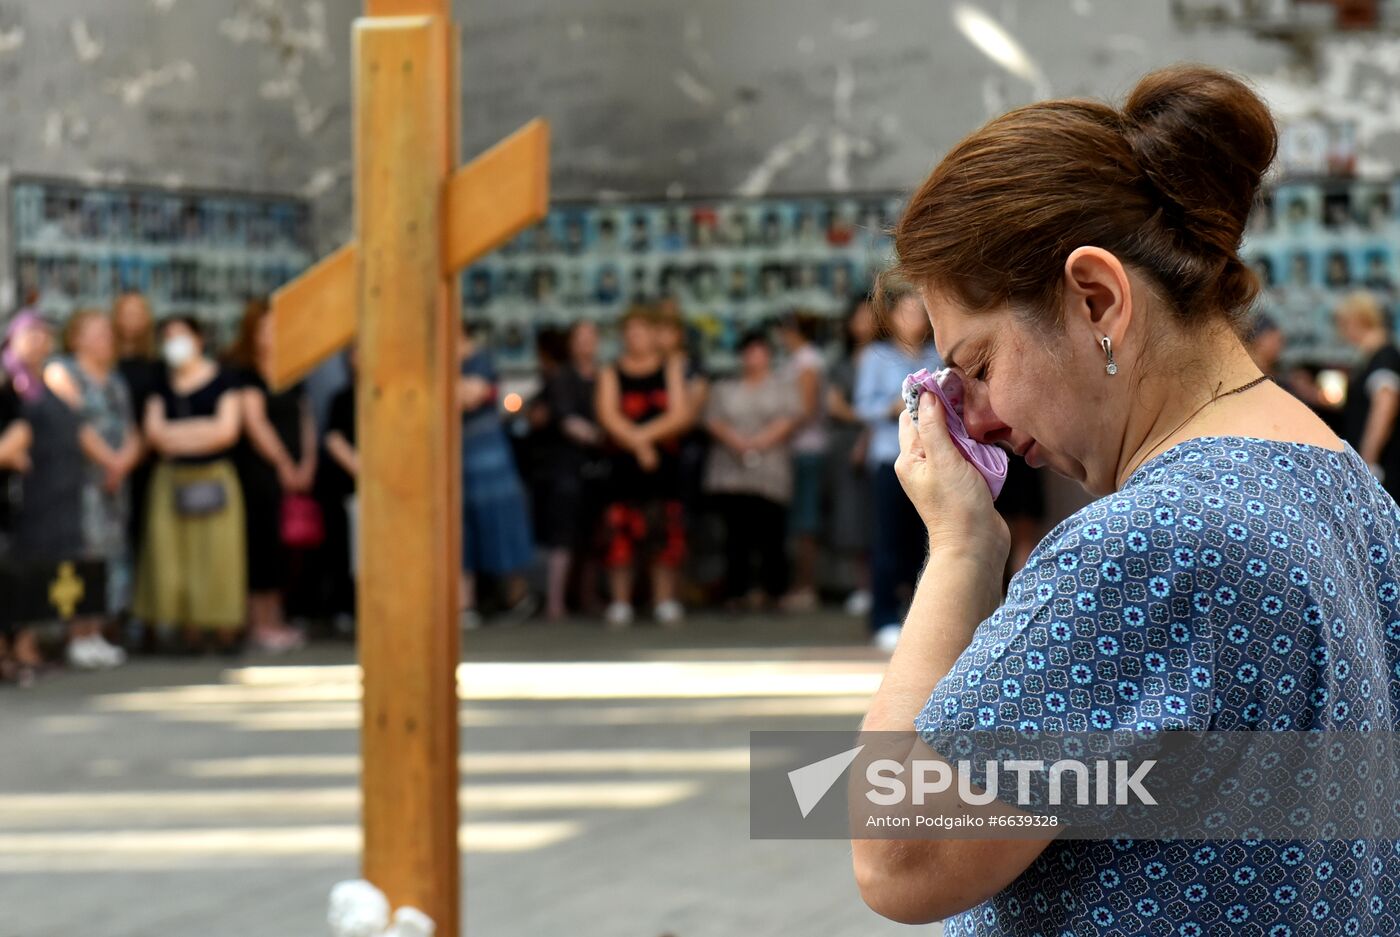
{"points": [[974, 371]]}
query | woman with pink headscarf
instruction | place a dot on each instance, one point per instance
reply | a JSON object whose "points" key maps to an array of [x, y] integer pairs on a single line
{"points": [[19, 653], [47, 521]]}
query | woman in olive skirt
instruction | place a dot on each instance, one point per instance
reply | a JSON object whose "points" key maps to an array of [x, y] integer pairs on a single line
{"points": [[193, 570]]}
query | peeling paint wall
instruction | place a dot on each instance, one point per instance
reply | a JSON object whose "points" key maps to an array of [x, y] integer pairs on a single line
{"points": [[248, 94], [657, 96], [648, 97]]}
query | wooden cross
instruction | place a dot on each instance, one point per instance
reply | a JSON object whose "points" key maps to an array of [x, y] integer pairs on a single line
{"points": [[418, 223]]}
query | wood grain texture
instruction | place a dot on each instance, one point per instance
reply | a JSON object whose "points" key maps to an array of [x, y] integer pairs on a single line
{"points": [[409, 434], [313, 317], [441, 8], [497, 195]]}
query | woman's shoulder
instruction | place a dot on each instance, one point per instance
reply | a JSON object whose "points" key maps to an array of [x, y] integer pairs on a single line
{"points": [[1207, 499], [1149, 521], [1248, 469], [66, 362]]}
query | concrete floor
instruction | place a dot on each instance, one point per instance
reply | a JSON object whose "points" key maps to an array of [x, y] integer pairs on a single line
{"points": [[605, 788]]}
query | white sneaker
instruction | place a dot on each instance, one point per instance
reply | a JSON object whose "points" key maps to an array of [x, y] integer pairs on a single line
{"points": [[109, 655], [670, 613], [886, 637], [83, 654], [858, 603], [618, 615]]}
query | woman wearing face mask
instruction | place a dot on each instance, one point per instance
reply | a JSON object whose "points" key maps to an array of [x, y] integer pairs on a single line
{"points": [[86, 380], [1081, 268], [193, 571]]}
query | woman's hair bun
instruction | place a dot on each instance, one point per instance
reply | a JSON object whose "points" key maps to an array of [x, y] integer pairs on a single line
{"points": [[1165, 182], [1204, 140]]}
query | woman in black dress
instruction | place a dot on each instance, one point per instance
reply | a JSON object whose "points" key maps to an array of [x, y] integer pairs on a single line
{"points": [[578, 466], [276, 458], [19, 652]]}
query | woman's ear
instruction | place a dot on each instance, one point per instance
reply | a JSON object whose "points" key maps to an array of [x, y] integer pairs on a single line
{"points": [[1097, 292]]}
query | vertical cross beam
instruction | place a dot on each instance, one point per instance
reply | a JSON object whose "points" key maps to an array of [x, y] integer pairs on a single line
{"points": [[410, 455]]}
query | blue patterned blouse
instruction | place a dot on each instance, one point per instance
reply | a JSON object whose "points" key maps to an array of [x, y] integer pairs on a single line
{"points": [[1285, 619]]}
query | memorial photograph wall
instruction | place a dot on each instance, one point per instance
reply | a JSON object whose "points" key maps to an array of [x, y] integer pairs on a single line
{"points": [[1313, 241], [204, 253], [729, 264]]}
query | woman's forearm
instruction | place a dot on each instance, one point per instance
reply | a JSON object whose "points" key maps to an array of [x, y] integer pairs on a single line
{"points": [[96, 448], [343, 453], [308, 435], [1380, 423], [133, 448], [957, 590], [194, 436], [839, 407], [14, 443], [266, 441], [724, 434], [775, 433]]}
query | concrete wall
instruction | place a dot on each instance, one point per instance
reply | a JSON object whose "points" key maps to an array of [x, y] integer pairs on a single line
{"points": [[648, 97]]}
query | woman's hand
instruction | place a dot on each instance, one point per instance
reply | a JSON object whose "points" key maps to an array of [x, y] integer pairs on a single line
{"points": [[304, 476], [113, 476], [949, 493], [287, 476], [647, 456]]}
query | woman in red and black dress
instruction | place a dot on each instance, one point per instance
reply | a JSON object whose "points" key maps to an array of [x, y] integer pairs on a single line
{"points": [[641, 405]]}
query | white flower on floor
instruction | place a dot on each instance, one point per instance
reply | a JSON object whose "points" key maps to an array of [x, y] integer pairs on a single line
{"points": [[358, 909]]}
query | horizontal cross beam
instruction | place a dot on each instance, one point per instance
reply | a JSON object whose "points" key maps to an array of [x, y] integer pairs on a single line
{"points": [[314, 316], [496, 196], [485, 203], [441, 8]]}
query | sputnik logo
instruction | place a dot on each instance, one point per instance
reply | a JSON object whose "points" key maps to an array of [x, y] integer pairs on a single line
{"points": [[811, 782]]}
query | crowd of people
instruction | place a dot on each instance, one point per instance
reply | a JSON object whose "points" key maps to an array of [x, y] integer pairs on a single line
{"points": [[218, 511], [783, 470], [186, 481]]}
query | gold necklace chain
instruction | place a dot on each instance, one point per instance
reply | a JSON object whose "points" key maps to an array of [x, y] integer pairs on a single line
{"points": [[1242, 388]]}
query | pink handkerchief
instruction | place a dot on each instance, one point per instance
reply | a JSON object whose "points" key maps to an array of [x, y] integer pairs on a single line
{"points": [[991, 461]]}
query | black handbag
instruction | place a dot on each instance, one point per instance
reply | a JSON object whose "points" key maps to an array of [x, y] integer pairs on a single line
{"points": [[198, 498], [201, 498]]}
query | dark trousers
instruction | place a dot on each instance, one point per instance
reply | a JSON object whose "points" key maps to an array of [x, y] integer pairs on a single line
{"points": [[753, 526], [898, 547]]}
